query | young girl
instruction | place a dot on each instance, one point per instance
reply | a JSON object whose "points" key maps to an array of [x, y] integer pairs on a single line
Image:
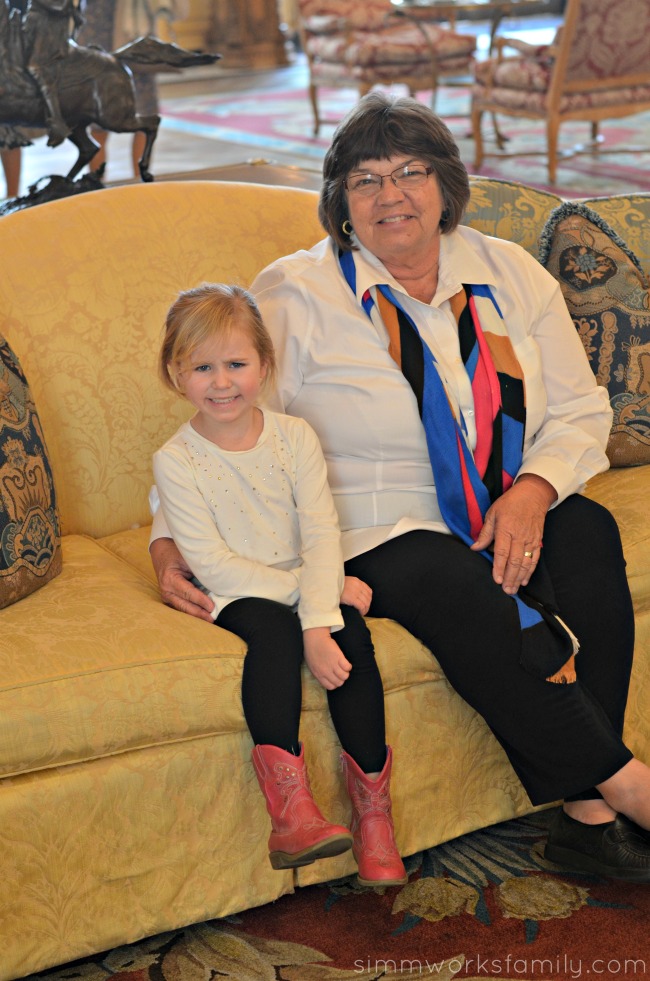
{"points": [[245, 494]]}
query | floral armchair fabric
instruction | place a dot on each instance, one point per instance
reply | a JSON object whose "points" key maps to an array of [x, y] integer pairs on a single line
{"points": [[597, 68], [361, 45]]}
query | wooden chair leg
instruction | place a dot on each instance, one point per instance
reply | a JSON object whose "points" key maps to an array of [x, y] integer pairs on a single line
{"points": [[313, 98], [552, 132], [500, 138], [434, 83], [477, 115]]}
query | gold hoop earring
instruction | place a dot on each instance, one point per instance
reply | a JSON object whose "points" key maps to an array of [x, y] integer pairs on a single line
{"points": [[347, 230]]}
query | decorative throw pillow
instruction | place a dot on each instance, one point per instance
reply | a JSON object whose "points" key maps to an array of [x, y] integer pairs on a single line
{"points": [[609, 300], [30, 547]]}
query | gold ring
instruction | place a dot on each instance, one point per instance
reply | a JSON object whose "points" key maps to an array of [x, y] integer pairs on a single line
{"points": [[528, 555]]}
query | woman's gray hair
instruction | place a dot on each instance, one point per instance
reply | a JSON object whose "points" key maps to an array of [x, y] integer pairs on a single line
{"points": [[381, 126]]}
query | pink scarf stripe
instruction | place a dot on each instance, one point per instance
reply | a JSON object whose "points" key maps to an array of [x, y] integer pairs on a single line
{"points": [[487, 359]]}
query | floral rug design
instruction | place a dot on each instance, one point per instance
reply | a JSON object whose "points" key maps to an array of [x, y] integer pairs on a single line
{"points": [[485, 907], [280, 120]]}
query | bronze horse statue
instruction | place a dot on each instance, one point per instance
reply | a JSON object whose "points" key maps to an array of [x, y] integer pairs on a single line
{"points": [[92, 86]]}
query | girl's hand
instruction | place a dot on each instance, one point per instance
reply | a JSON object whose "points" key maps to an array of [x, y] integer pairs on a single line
{"points": [[357, 594], [324, 658], [514, 526]]}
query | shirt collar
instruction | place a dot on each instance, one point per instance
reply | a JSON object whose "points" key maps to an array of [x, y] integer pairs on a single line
{"points": [[459, 263]]}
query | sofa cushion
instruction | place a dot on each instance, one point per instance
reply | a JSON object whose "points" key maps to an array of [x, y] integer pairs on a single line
{"points": [[133, 547], [629, 216], [609, 300], [397, 44], [369, 16], [112, 669], [525, 74], [524, 83], [30, 553], [625, 492]]}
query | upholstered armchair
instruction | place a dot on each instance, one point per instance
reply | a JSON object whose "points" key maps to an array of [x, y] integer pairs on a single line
{"points": [[597, 68], [360, 45]]}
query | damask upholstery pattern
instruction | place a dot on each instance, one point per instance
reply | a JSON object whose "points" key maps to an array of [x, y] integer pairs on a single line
{"points": [[610, 45], [30, 548], [629, 216], [399, 45], [90, 325], [509, 210], [128, 802], [596, 69], [624, 491], [522, 82], [609, 300], [362, 45]]}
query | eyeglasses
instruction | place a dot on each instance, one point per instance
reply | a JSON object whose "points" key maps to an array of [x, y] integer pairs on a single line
{"points": [[404, 177]]}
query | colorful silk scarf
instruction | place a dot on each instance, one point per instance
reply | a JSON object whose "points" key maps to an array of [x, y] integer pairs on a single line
{"points": [[467, 482]]}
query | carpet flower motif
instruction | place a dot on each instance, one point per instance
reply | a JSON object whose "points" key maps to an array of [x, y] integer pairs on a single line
{"points": [[540, 898], [457, 877], [214, 950], [435, 899]]}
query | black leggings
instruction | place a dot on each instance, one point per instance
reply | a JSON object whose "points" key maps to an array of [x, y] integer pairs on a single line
{"points": [[272, 686], [560, 739]]}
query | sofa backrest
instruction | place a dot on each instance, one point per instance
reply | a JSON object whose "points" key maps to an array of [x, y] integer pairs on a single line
{"points": [[85, 285]]}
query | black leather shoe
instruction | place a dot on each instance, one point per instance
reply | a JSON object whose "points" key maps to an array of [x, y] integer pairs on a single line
{"points": [[627, 824], [619, 849]]}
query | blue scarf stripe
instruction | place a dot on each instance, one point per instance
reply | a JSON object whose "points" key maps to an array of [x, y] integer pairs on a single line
{"points": [[472, 361], [479, 289], [513, 438], [441, 429]]}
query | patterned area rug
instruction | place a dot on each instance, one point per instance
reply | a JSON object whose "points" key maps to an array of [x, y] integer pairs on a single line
{"points": [[281, 121], [485, 907]]}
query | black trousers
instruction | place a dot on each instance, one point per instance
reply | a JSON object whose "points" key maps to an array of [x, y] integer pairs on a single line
{"points": [[560, 739], [272, 687]]}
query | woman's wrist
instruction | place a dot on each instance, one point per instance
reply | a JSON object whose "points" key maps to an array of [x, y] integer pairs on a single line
{"points": [[540, 485]]}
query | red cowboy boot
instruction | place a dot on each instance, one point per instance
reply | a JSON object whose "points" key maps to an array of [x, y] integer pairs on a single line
{"points": [[300, 833], [372, 825]]}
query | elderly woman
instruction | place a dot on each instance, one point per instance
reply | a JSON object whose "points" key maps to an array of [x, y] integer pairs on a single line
{"points": [[460, 420]]}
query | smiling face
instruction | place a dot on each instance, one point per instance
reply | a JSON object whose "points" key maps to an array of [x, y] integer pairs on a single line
{"points": [[401, 226], [223, 381]]}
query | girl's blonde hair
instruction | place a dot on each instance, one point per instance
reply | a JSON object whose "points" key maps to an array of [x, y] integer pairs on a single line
{"points": [[203, 313]]}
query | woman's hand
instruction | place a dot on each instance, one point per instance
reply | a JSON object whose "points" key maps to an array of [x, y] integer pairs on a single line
{"points": [[357, 594], [324, 658], [174, 576], [514, 527]]}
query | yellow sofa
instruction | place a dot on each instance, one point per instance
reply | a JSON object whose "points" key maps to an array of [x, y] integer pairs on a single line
{"points": [[128, 804]]}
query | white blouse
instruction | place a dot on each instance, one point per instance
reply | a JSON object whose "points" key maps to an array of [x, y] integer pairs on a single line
{"points": [[336, 372], [258, 522]]}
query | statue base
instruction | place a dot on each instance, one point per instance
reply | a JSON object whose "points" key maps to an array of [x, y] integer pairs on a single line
{"points": [[56, 187]]}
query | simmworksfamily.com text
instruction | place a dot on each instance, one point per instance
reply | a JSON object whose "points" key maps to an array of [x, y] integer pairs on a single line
{"points": [[510, 966]]}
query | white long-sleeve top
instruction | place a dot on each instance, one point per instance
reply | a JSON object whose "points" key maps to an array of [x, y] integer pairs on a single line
{"points": [[258, 522], [336, 372]]}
